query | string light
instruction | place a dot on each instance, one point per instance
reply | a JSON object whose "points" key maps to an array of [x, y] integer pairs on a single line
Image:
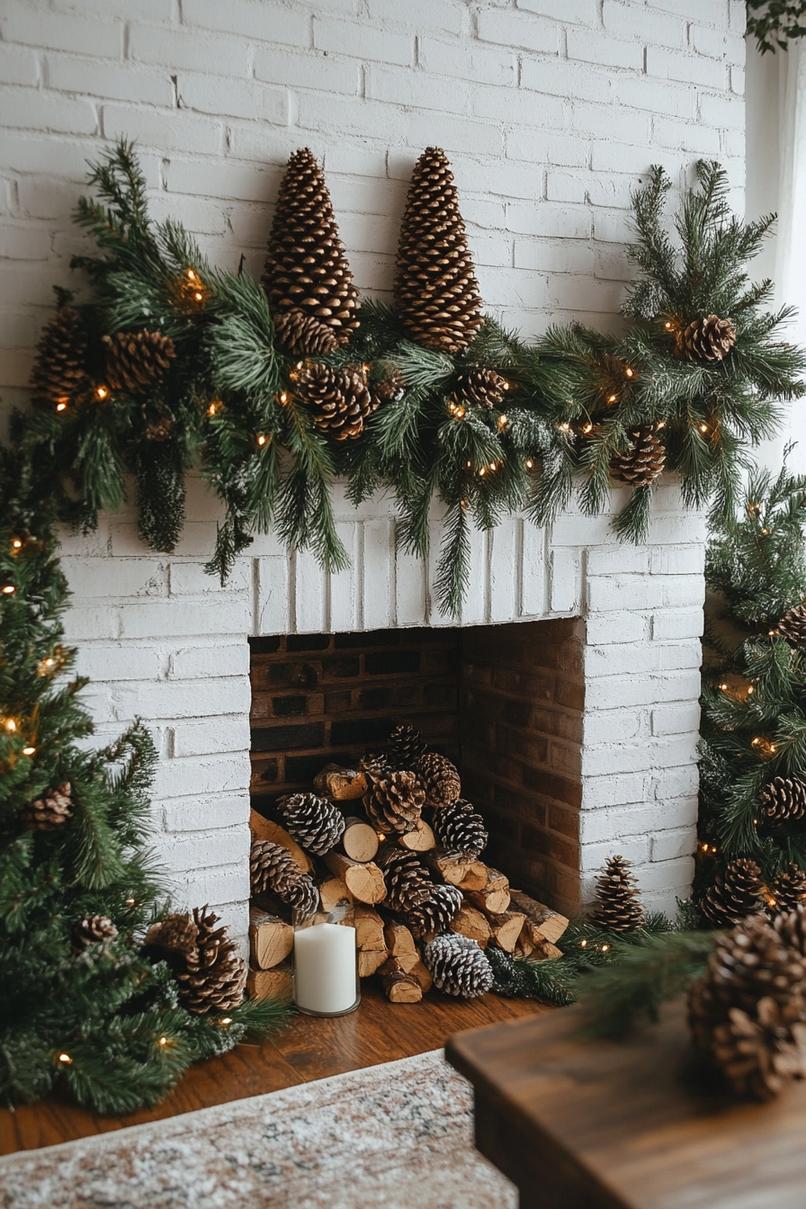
{"points": [[605, 948], [8, 589], [564, 427], [294, 373], [263, 439], [10, 725], [612, 398], [586, 428], [702, 427], [464, 504], [502, 422], [468, 465], [629, 372], [195, 281], [61, 403], [64, 1059], [457, 410], [668, 325], [129, 902], [17, 544], [707, 849], [529, 464], [164, 1042], [764, 747], [101, 392], [583, 944], [29, 751], [282, 398], [225, 1021], [215, 407]]}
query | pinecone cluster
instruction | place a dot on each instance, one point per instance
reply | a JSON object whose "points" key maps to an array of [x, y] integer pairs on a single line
{"points": [[643, 462], [136, 361], [458, 966], [783, 800], [306, 268], [734, 893], [92, 930], [210, 975], [50, 811], [274, 870], [339, 399], [394, 801], [479, 387], [707, 339], [460, 828], [436, 288], [60, 367], [745, 1012], [314, 822], [408, 884], [792, 626], [440, 779], [618, 907]]}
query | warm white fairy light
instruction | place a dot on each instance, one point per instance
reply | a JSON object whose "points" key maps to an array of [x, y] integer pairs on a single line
{"points": [[8, 589]]}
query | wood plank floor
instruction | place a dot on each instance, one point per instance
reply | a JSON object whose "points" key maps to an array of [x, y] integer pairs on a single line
{"points": [[307, 1049]]}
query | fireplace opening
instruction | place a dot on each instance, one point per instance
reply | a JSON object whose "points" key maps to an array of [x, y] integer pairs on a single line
{"points": [[504, 702]]}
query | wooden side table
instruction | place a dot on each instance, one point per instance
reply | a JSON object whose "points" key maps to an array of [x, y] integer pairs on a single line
{"points": [[624, 1125]]}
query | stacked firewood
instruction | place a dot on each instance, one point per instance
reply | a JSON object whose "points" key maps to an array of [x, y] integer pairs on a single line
{"points": [[392, 848]]}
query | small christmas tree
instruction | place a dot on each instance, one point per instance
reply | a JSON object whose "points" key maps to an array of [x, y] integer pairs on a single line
{"points": [[81, 1005]]}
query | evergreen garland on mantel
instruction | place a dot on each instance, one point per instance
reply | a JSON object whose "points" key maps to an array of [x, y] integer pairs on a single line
{"points": [[173, 364]]}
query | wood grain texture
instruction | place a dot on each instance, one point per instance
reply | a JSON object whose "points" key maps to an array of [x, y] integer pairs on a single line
{"points": [[609, 1125], [309, 1048]]}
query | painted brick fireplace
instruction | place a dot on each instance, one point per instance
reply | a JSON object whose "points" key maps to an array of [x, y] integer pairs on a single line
{"points": [[575, 713]]}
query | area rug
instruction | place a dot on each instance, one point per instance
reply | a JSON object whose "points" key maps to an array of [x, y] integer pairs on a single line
{"points": [[394, 1136]]}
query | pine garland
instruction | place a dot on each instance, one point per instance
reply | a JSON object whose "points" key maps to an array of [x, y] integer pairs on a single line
{"points": [[572, 398]]}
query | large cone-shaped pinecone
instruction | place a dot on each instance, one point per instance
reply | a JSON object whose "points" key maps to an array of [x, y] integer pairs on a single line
{"points": [[480, 387], [339, 398], [394, 802], [618, 907], [274, 870], [436, 913], [783, 800], [51, 810], [408, 884], [94, 929], [306, 267], [458, 966], [61, 358], [314, 822], [209, 973], [792, 625], [440, 779], [407, 745], [708, 339], [436, 288], [733, 894], [787, 891], [643, 462], [460, 828], [303, 335], [137, 360]]}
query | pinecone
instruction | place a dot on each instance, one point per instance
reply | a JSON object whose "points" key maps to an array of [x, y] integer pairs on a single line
{"points": [[460, 828], [389, 389], [792, 931], [394, 801], [306, 267], [375, 764], [458, 966], [171, 939], [618, 907], [407, 744], [734, 893], [436, 913], [440, 779], [94, 929], [314, 822], [303, 335], [783, 800], [792, 625], [61, 356], [787, 891], [339, 398], [436, 288], [136, 361], [408, 884], [750, 962], [643, 462], [274, 869], [480, 387], [51, 810], [708, 339]]}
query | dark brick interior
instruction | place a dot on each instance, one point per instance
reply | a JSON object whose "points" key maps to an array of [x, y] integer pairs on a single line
{"points": [[505, 702]]}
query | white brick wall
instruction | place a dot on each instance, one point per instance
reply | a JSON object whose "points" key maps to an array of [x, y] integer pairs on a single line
{"points": [[550, 111]]}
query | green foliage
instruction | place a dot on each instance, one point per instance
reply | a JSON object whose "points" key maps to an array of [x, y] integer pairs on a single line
{"points": [[776, 23]]}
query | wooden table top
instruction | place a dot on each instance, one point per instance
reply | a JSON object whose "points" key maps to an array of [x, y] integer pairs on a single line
{"points": [[625, 1125]]}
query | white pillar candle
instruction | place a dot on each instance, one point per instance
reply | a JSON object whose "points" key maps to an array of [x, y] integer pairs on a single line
{"points": [[325, 968]]}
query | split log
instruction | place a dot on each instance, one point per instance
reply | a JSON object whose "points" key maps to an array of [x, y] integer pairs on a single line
{"points": [[400, 944], [506, 929], [544, 923], [360, 841], [369, 939], [398, 985], [364, 881], [471, 922], [341, 784], [271, 939], [267, 829], [333, 892], [421, 839], [546, 951], [270, 984], [524, 946], [493, 897], [463, 871], [421, 972]]}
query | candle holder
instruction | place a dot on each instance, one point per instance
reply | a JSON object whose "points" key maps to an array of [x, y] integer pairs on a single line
{"points": [[326, 981]]}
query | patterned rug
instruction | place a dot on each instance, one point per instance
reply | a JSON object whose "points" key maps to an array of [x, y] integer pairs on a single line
{"points": [[391, 1137]]}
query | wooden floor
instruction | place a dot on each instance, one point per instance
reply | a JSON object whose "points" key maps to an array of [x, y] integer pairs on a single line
{"points": [[308, 1048]]}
